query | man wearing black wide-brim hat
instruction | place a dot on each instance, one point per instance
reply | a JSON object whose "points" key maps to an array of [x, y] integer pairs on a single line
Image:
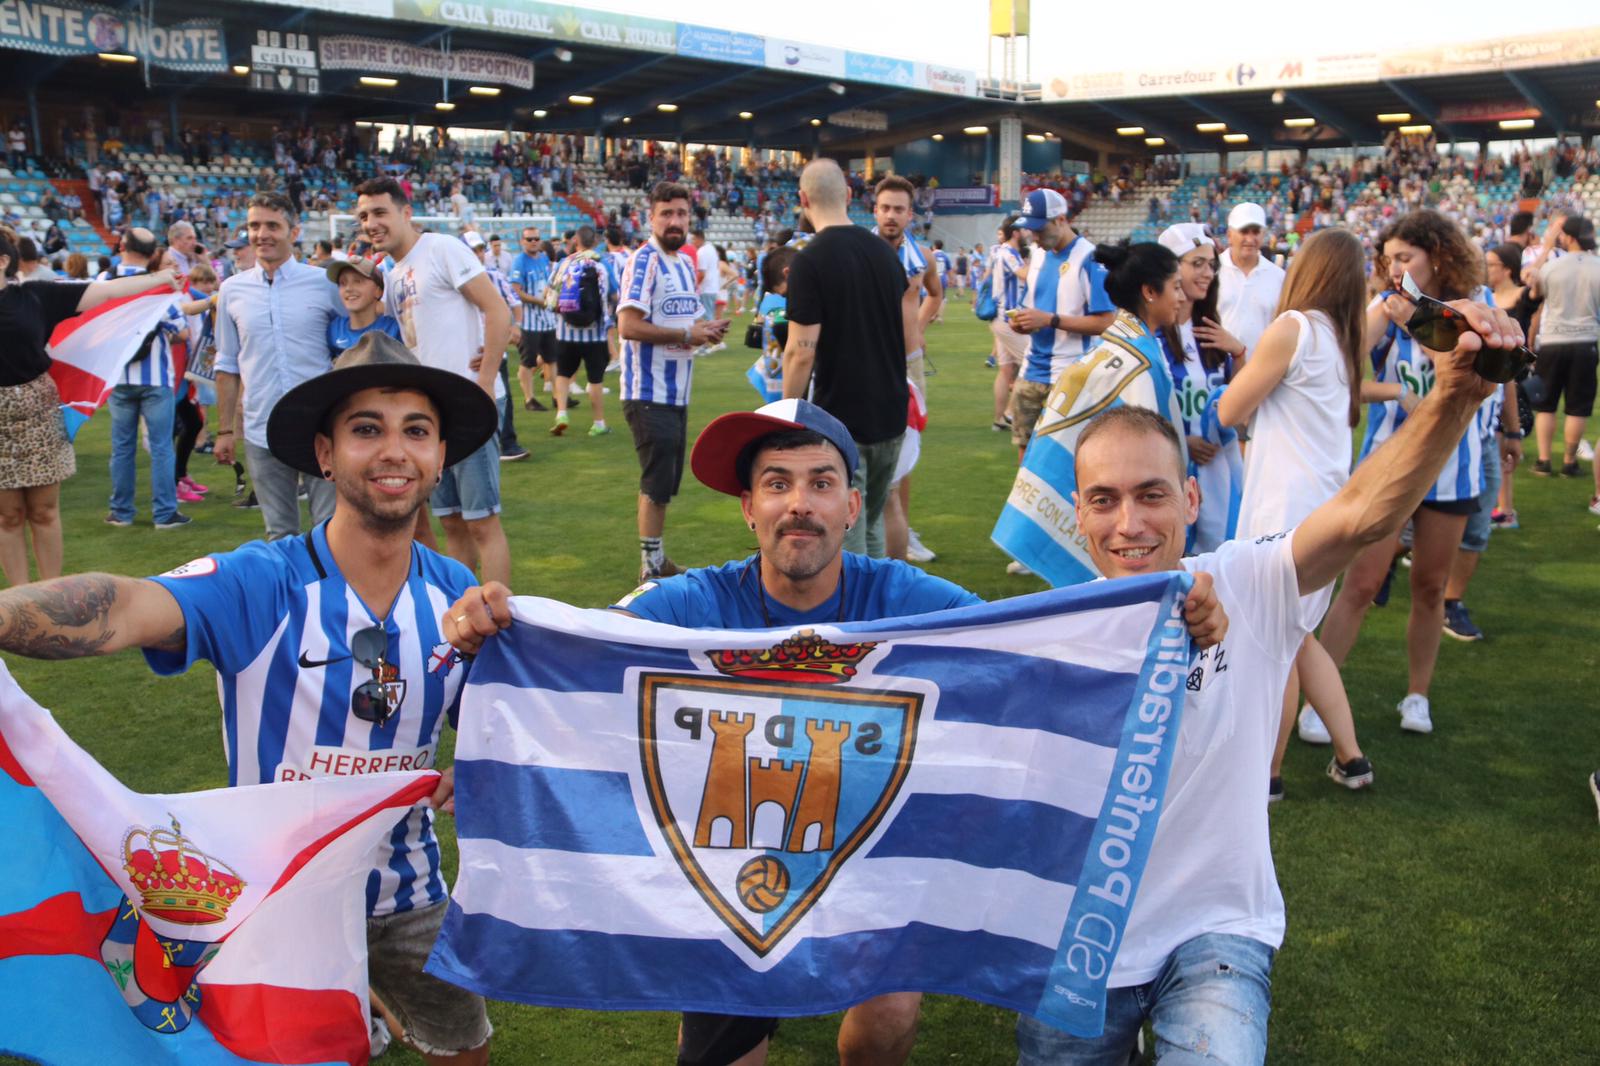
{"points": [[327, 646]]}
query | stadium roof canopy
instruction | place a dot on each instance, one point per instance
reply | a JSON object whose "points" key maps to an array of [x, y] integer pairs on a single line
{"points": [[630, 66]]}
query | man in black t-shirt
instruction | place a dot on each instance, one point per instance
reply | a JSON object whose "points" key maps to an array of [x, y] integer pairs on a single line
{"points": [[847, 340]]}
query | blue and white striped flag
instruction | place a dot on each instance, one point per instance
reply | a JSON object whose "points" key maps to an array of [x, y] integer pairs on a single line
{"points": [[790, 822], [1038, 526]]}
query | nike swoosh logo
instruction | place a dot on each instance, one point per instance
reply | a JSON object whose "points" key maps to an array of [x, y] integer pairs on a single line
{"points": [[311, 664]]}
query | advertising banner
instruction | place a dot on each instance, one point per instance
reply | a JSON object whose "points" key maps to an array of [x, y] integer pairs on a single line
{"points": [[727, 46], [859, 118], [531, 18], [376, 56], [64, 28], [805, 58], [948, 79], [1533, 50], [880, 70], [975, 196], [1246, 73]]}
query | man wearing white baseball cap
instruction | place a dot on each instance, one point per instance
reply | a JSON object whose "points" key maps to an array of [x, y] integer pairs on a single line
{"points": [[1248, 285]]}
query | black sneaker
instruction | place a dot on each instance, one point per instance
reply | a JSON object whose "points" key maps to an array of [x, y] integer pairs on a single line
{"points": [[1569, 469], [532, 404], [1458, 623], [122, 523], [1382, 598], [1274, 789], [513, 455], [1357, 773], [248, 503], [1541, 468], [176, 521]]}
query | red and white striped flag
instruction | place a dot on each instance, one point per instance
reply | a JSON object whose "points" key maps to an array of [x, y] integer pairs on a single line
{"points": [[89, 351], [218, 927]]}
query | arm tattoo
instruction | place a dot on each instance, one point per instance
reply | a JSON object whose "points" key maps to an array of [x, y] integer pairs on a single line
{"points": [[62, 619], [176, 642]]}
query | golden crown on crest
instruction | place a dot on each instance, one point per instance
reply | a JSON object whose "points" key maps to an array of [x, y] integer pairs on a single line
{"points": [[804, 657], [177, 881]]}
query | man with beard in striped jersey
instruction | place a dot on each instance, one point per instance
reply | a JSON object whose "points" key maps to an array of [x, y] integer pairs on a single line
{"points": [[895, 211], [329, 656], [660, 321]]}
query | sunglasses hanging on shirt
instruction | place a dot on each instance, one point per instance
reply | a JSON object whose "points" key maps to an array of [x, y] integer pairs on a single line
{"points": [[371, 702], [1438, 327]]}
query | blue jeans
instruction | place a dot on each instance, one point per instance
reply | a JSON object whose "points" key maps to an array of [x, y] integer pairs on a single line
{"points": [[155, 404], [471, 488], [1208, 1005], [1475, 538]]}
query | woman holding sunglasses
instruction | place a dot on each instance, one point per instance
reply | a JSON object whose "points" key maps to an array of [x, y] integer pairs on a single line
{"points": [[1300, 395], [1443, 266], [1198, 376]]}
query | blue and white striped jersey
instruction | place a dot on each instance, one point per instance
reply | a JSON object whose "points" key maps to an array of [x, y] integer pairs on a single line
{"points": [[1007, 278], [155, 366], [565, 331], [277, 621], [942, 257], [1398, 359], [616, 266], [532, 272], [665, 288], [1068, 282], [912, 257]]}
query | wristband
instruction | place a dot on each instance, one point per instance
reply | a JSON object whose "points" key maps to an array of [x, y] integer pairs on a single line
{"points": [[223, 433], [1512, 434]]}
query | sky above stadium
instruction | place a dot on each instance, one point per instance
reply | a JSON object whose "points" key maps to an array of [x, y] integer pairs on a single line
{"points": [[954, 32]]}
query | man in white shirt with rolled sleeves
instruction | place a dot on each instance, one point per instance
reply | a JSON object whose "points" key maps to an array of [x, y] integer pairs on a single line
{"points": [[1248, 285], [452, 317]]}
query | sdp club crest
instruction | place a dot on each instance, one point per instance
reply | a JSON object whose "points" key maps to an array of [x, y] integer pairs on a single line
{"points": [[766, 779]]}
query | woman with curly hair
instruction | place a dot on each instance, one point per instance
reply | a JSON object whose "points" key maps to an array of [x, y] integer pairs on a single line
{"points": [[1437, 255]]}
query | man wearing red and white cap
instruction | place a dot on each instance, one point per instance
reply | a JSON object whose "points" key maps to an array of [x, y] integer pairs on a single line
{"points": [[1248, 285], [790, 465]]}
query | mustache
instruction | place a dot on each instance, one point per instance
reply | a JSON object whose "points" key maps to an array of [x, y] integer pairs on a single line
{"points": [[802, 525]]}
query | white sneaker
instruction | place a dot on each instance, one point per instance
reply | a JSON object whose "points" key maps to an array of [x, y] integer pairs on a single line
{"points": [[548, 387], [916, 551], [1311, 729], [1585, 452], [378, 1037], [1014, 567], [1414, 714], [613, 366]]}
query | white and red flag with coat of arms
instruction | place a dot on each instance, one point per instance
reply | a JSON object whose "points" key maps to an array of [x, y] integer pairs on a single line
{"points": [[225, 926]]}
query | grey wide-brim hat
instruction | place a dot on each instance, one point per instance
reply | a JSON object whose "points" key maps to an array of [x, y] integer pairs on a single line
{"points": [[378, 361]]}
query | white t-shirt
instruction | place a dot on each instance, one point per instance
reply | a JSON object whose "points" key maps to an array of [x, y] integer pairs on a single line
{"points": [[1299, 453], [458, 202], [423, 293], [1248, 302], [1210, 866], [710, 267]]}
